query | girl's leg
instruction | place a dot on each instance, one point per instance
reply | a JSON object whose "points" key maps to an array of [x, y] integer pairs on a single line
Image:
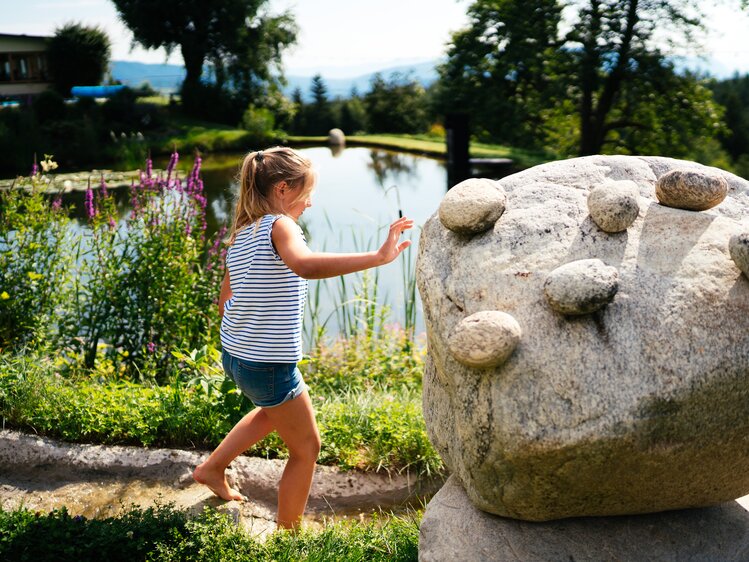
{"points": [[295, 423], [248, 431]]}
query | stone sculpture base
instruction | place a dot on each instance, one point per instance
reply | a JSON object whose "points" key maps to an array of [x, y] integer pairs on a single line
{"points": [[454, 530]]}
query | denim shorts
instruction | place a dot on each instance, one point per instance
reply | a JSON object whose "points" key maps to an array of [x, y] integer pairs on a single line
{"points": [[265, 384]]}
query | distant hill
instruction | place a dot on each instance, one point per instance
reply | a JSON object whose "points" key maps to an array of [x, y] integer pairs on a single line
{"points": [[168, 77], [425, 73], [162, 77]]}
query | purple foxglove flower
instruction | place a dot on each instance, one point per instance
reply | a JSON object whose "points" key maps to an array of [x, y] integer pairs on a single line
{"points": [[196, 167], [112, 224], [201, 200], [134, 201], [172, 164], [57, 203], [89, 203], [151, 347], [34, 168]]}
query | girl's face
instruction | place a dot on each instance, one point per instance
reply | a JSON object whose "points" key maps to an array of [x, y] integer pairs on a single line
{"points": [[288, 202], [295, 210]]}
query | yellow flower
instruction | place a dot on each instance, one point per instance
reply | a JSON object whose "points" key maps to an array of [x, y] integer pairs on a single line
{"points": [[4, 296], [34, 276]]}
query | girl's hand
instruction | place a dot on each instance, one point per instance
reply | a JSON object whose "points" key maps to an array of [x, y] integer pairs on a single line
{"points": [[391, 249]]}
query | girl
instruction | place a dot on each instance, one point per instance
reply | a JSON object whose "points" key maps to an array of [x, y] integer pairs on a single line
{"points": [[262, 304]]}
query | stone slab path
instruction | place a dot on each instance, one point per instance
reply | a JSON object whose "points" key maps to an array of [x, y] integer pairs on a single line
{"points": [[100, 481]]}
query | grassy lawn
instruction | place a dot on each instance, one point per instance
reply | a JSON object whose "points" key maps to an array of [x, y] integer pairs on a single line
{"points": [[433, 146], [186, 135]]}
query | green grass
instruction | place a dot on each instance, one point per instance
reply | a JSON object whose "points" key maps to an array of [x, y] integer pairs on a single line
{"points": [[163, 533], [154, 100], [368, 404], [206, 138]]}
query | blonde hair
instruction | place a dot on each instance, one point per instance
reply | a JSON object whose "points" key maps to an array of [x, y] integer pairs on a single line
{"points": [[260, 172]]}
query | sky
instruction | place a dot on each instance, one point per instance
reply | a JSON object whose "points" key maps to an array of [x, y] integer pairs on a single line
{"points": [[341, 38]]}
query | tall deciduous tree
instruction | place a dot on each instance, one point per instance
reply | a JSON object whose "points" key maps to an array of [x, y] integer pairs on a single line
{"points": [[501, 68], [78, 56], [239, 38], [611, 69], [614, 45]]}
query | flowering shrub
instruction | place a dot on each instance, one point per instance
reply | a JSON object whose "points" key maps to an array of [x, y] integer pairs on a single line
{"points": [[147, 284], [35, 261], [142, 285]]}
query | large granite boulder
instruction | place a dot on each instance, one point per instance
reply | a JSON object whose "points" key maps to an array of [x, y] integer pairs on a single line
{"points": [[627, 392], [453, 529]]}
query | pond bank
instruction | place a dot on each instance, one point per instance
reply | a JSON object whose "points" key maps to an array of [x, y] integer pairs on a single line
{"points": [[100, 481]]}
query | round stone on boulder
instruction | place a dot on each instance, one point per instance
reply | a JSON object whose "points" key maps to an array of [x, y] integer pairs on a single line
{"points": [[613, 206], [485, 339], [336, 137], [472, 206], [738, 247], [581, 287], [691, 190]]}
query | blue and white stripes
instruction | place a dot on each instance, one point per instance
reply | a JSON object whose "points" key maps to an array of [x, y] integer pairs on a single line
{"points": [[263, 318]]}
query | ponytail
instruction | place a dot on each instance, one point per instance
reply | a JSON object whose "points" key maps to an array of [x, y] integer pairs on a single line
{"points": [[260, 172]]}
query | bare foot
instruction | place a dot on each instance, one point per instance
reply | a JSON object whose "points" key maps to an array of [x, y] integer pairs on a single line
{"points": [[216, 482]]}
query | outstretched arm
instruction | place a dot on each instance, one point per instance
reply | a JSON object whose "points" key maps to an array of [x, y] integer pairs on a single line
{"points": [[319, 265]]}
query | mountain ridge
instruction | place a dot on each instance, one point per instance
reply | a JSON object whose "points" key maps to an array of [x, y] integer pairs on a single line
{"points": [[168, 77]]}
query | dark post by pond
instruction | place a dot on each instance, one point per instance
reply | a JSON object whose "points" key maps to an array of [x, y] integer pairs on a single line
{"points": [[457, 137]]}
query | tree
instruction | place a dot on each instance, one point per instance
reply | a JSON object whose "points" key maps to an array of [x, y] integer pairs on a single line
{"points": [[243, 44], [318, 113], [613, 48], [733, 94], [78, 55], [396, 105], [502, 68], [299, 121], [609, 70]]}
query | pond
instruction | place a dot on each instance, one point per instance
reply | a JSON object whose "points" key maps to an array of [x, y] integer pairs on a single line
{"points": [[358, 194]]}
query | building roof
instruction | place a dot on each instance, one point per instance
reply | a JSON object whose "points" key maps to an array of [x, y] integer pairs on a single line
{"points": [[23, 36]]}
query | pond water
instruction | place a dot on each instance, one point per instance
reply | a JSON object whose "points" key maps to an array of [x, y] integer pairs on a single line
{"points": [[358, 194]]}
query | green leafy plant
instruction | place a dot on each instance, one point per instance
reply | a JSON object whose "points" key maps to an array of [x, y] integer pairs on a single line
{"points": [[35, 263], [164, 533]]}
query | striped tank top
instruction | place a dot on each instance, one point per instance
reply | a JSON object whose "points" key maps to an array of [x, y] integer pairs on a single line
{"points": [[263, 318]]}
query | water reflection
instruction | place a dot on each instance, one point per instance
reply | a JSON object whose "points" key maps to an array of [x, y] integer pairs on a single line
{"points": [[391, 167]]}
